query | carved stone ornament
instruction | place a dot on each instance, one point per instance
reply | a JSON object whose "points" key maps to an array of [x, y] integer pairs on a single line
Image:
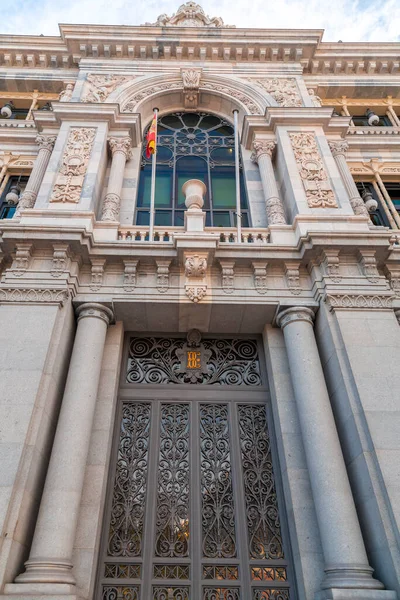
{"points": [[368, 265], [195, 272], [316, 100], [60, 260], [34, 295], [189, 14], [228, 276], [312, 172], [261, 147], [130, 275], [66, 95], [260, 277], [97, 273], [284, 91], [359, 301], [393, 273], [191, 82], [96, 311], [292, 315], [99, 87], [132, 103], [292, 275], [46, 142], [121, 144], [230, 91], [69, 182], [163, 275], [338, 148], [331, 262], [20, 263], [111, 207]]}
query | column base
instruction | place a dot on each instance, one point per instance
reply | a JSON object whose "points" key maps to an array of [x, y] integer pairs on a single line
{"points": [[355, 594], [350, 576], [45, 572], [39, 591]]}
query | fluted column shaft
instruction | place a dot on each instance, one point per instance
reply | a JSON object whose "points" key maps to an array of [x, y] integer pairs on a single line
{"points": [[28, 197], [262, 154], [339, 149], [120, 150], [346, 563], [50, 559]]}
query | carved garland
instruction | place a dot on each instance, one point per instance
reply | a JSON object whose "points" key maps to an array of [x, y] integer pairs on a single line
{"points": [[284, 91], [312, 172]]}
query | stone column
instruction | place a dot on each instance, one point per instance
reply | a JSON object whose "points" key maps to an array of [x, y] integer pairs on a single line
{"points": [[28, 197], [346, 563], [120, 150], [262, 154], [339, 149], [50, 559]]}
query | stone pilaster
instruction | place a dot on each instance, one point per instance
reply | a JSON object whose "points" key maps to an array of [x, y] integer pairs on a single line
{"points": [[346, 563], [262, 155], [50, 560], [120, 150], [339, 149], [28, 197]]}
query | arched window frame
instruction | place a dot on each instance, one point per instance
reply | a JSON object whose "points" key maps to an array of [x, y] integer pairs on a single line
{"points": [[192, 142]]}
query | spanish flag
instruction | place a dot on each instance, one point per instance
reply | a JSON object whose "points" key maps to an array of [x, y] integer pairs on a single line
{"points": [[151, 137]]}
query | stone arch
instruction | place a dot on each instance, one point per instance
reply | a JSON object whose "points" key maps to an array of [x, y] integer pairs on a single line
{"points": [[218, 95]]}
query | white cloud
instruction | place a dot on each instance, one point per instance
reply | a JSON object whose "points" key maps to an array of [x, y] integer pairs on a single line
{"points": [[348, 20]]}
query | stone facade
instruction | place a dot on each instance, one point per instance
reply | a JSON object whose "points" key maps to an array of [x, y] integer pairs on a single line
{"points": [[313, 278]]}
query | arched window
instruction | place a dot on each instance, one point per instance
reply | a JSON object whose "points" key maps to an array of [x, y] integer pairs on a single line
{"points": [[192, 146]]}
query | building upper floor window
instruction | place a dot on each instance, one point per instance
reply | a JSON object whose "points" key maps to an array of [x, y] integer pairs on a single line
{"points": [[380, 121], [192, 146], [378, 217], [10, 196]]}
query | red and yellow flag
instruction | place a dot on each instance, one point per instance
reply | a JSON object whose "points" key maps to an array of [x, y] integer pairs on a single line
{"points": [[151, 137]]}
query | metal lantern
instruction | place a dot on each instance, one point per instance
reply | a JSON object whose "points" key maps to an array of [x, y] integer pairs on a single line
{"points": [[7, 110], [370, 202], [13, 195], [373, 119]]}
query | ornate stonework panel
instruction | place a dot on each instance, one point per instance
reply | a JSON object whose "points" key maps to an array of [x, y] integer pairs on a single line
{"points": [[284, 91], [98, 87], [189, 14], [312, 171], [359, 301], [34, 295], [210, 362], [69, 182]]}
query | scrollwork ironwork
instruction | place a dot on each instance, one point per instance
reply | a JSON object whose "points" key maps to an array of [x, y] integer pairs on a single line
{"points": [[130, 485], [121, 592], [155, 361], [172, 521], [265, 538], [218, 514], [170, 593], [270, 594], [221, 594]]}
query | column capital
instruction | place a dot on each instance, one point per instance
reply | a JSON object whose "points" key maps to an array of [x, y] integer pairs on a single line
{"points": [[46, 142], [261, 147], [119, 144], [297, 313], [338, 147], [93, 309], [397, 315]]}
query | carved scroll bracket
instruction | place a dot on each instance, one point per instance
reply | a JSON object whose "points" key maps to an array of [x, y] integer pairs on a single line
{"points": [[191, 83], [260, 276], [163, 275], [195, 275], [228, 275], [130, 275]]}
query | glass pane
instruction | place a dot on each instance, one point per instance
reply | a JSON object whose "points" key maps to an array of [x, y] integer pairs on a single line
{"points": [[142, 217], [224, 130], [164, 154], [189, 167], [223, 187], [179, 219], [172, 121], [222, 219], [223, 155], [190, 119], [208, 122], [163, 193], [163, 217]]}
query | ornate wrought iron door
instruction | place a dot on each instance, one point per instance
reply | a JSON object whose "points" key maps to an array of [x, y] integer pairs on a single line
{"points": [[193, 511]]}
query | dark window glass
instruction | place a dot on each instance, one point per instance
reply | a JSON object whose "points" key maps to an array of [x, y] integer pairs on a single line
{"points": [[7, 207], [362, 121], [192, 146]]}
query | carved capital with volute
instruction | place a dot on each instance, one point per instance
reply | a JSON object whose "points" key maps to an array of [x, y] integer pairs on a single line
{"points": [[46, 142], [338, 148], [261, 147], [123, 145]]}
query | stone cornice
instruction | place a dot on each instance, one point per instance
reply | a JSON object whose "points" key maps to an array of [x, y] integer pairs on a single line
{"points": [[34, 295]]}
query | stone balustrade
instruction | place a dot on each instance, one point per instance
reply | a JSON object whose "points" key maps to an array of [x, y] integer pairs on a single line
{"points": [[226, 235]]}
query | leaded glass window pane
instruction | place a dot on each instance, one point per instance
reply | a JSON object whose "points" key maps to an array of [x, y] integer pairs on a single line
{"points": [[193, 146]]}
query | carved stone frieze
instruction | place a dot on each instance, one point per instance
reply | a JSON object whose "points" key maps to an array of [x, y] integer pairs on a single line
{"points": [[163, 275], [260, 277], [312, 172], [228, 276], [292, 276], [66, 94], [195, 272], [285, 92], [368, 265], [97, 273], [189, 14], [130, 275], [60, 259], [331, 262], [99, 87], [359, 301], [34, 295], [132, 103], [191, 82], [234, 93], [21, 260], [69, 182]]}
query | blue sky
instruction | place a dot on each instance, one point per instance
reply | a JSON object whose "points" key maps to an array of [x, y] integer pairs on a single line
{"points": [[348, 20]]}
